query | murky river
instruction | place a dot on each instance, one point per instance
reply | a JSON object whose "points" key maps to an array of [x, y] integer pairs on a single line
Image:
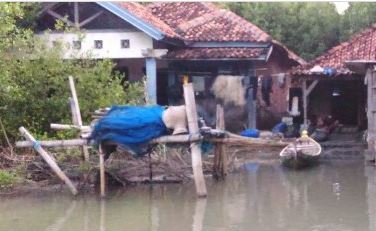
{"points": [[333, 196]]}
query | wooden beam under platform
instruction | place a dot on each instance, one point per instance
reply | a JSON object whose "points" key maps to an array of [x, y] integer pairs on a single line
{"points": [[231, 139]]}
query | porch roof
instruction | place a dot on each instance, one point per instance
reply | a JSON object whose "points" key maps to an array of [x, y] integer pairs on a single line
{"points": [[218, 53], [358, 47]]}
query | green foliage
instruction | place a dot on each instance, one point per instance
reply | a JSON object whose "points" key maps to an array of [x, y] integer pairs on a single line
{"points": [[358, 16], [7, 179], [34, 87], [306, 28]]}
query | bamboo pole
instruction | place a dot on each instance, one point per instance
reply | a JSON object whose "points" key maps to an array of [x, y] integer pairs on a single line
{"points": [[233, 139], [52, 143], [177, 139], [49, 160], [75, 100], [77, 114], [101, 172], [70, 126], [190, 106], [73, 109], [250, 142]]}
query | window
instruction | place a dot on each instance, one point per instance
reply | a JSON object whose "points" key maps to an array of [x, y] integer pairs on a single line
{"points": [[124, 43], [198, 83], [77, 45], [98, 44]]}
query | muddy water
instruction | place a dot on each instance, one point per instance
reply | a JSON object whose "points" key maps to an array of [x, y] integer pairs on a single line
{"points": [[334, 196]]}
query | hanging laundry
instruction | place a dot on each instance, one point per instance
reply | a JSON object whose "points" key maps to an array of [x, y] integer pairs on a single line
{"points": [[266, 89], [296, 101]]}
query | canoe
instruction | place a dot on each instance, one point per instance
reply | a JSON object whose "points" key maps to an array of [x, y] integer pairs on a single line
{"points": [[303, 152]]}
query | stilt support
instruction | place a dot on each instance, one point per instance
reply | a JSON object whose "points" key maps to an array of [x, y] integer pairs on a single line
{"points": [[220, 158], [198, 174]]}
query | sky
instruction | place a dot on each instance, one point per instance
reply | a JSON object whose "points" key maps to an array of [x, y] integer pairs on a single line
{"points": [[341, 6]]}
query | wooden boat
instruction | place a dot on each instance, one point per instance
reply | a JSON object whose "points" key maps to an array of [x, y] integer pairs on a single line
{"points": [[303, 152]]}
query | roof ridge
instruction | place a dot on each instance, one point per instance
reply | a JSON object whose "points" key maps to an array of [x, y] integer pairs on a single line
{"points": [[161, 25]]}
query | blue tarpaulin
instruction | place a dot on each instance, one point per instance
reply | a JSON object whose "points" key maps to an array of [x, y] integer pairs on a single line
{"points": [[130, 126], [250, 132]]}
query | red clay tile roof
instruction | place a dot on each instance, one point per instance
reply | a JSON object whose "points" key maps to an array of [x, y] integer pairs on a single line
{"points": [[177, 13], [197, 21], [216, 53], [361, 46], [144, 14]]}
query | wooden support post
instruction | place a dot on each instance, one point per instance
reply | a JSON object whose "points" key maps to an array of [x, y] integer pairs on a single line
{"points": [[306, 92], [251, 106], [305, 101], [49, 160], [190, 106], [151, 80], [76, 16], [220, 158], [77, 114], [101, 172]]}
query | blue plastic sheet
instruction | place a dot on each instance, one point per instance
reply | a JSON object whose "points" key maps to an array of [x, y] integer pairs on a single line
{"points": [[250, 132], [130, 126], [280, 128]]}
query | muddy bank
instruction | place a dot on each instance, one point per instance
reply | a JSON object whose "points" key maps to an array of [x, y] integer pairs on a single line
{"points": [[164, 164]]}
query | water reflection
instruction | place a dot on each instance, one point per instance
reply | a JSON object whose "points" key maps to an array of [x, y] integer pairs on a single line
{"points": [[333, 196], [370, 172], [59, 223], [199, 214]]}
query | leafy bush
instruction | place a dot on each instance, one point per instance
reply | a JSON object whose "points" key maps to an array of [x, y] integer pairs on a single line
{"points": [[34, 87], [7, 179]]}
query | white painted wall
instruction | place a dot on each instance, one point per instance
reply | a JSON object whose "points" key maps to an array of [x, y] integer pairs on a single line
{"points": [[111, 43]]}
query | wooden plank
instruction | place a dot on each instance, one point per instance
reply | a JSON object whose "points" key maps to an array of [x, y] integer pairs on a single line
{"points": [[190, 106], [49, 160], [58, 16], [91, 18]]}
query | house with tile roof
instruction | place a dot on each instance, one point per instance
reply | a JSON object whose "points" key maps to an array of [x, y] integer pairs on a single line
{"points": [[165, 41], [335, 83]]}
